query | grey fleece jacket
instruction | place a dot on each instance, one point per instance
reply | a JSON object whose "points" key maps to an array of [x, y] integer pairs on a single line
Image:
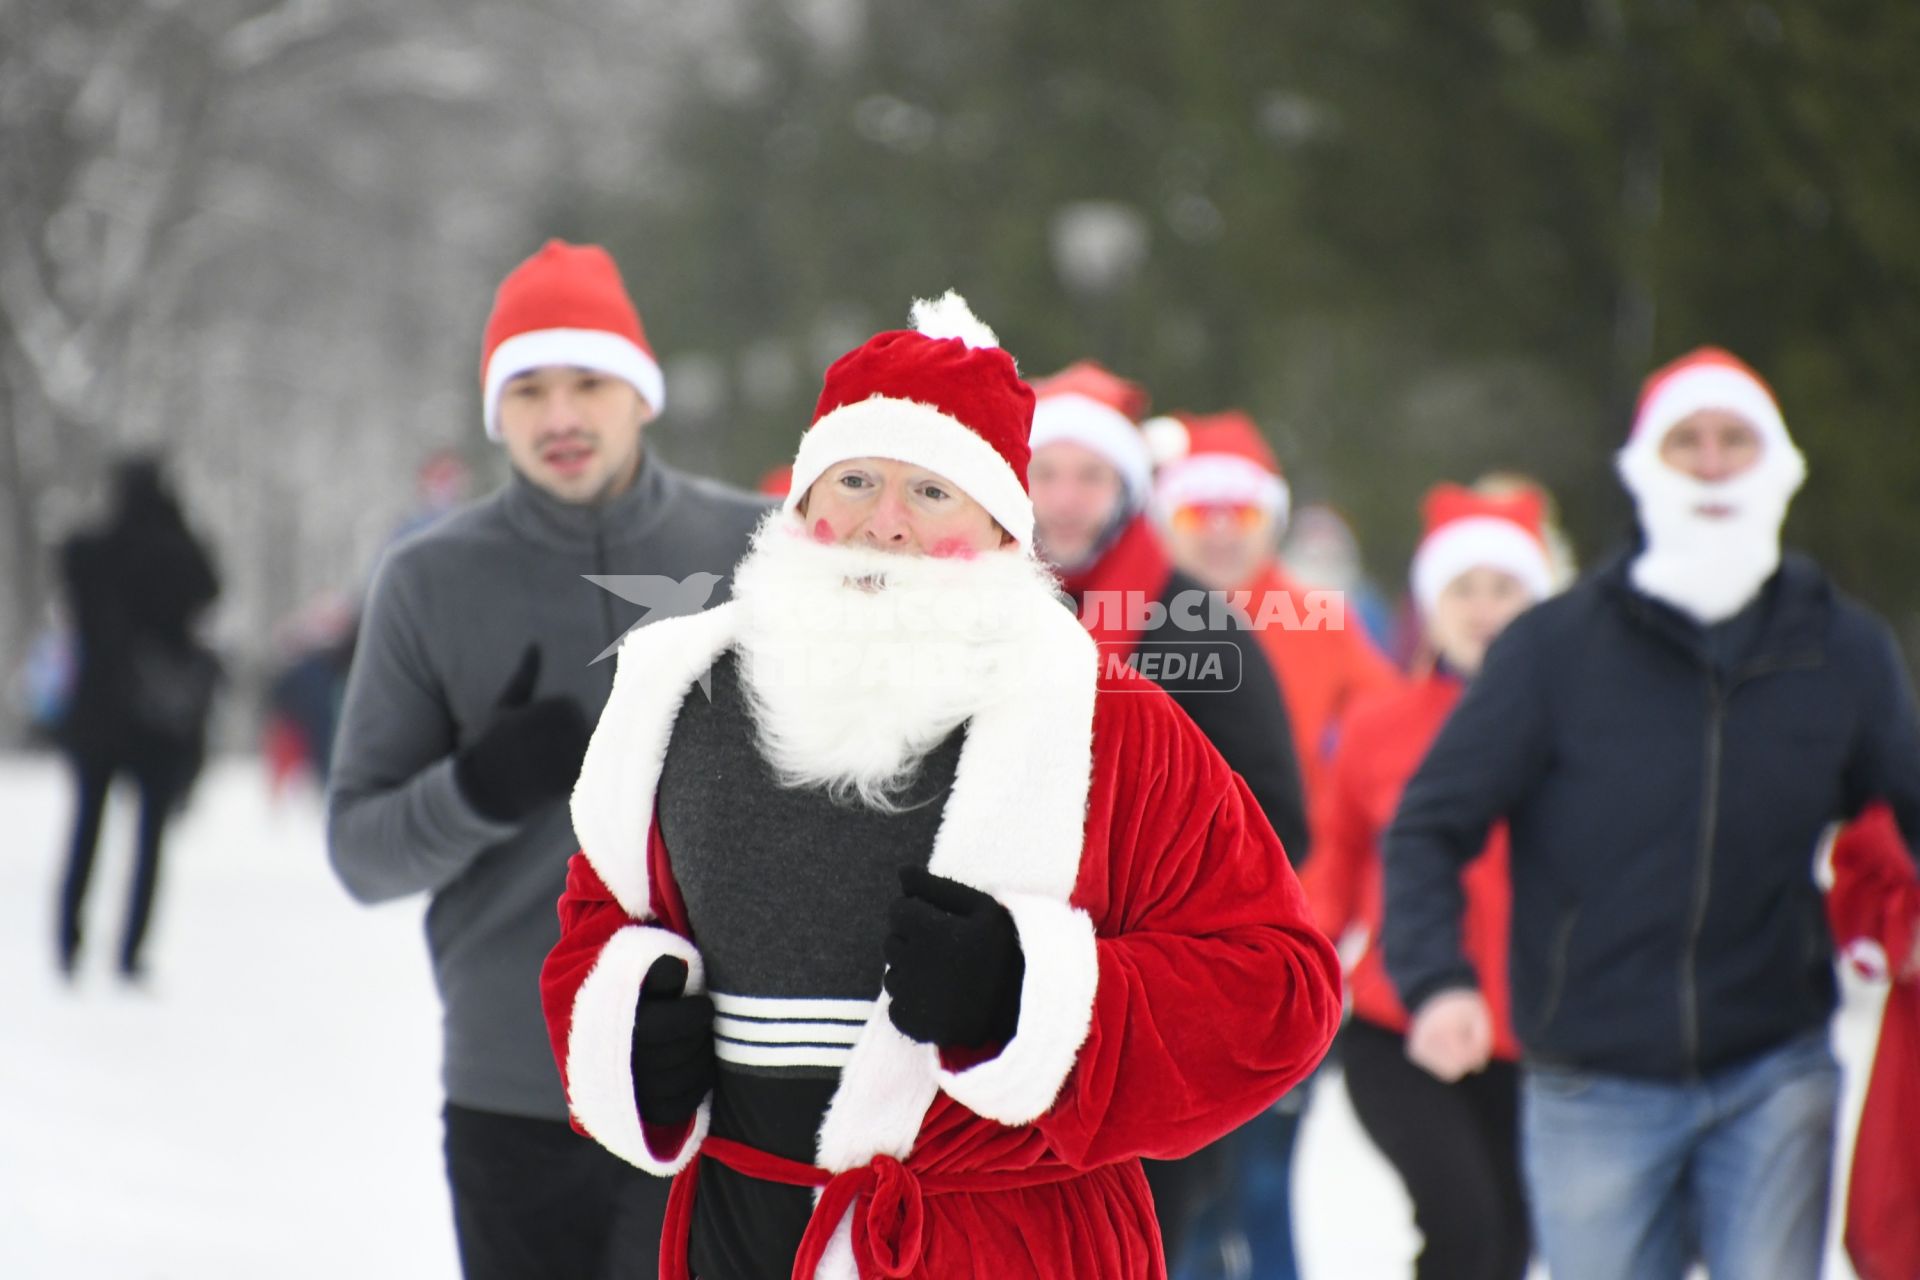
{"points": [[451, 611]]}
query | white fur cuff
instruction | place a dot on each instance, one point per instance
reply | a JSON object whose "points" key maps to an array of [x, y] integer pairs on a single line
{"points": [[1056, 1011], [600, 1046]]}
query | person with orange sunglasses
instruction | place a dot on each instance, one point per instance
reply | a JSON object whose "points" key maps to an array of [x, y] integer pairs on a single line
{"points": [[1222, 507]]}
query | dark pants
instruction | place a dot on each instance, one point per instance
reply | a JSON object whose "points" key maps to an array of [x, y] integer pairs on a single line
{"points": [[1243, 1226], [1182, 1190], [1457, 1148], [160, 791], [532, 1199]]}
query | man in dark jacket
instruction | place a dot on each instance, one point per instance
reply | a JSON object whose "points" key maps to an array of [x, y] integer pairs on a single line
{"points": [[1092, 479], [143, 686], [467, 713], [1668, 742], [1091, 476]]}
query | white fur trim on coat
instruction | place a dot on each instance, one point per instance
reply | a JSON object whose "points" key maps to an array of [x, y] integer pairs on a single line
{"points": [[600, 1047], [612, 804], [1014, 826], [1056, 1011], [908, 431]]}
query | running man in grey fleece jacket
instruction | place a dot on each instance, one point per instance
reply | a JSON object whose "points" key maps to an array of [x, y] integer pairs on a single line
{"points": [[468, 709]]}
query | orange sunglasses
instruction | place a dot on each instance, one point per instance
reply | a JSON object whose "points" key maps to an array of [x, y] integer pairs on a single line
{"points": [[1198, 516]]}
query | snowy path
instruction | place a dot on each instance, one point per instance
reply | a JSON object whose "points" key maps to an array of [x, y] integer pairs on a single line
{"points": [[270, 1108]]}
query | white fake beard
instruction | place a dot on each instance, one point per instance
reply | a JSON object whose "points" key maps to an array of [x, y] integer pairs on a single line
{"points": [[1706, 566], [851, 685]]}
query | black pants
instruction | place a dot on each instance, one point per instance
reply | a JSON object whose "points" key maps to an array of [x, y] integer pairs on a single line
{"points": [[160, 791], [533, 1200], [1457, 1148], [1182, 1189]]}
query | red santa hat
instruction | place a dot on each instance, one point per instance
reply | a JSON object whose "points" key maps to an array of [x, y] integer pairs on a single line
{"points": [[941, 395], [1098, 410], [1470, 530], [1706, 378], [1226, 463], [566, 305]]}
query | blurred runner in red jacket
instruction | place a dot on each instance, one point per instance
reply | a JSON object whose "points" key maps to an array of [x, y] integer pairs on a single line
{"points": [[1444, 1114]]}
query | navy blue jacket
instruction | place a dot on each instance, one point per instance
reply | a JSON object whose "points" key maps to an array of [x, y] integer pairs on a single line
{"points": [[1664, 815]]}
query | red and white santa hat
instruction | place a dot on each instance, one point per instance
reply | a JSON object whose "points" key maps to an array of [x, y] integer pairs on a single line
{"points": [[941, 395], [566, 305], [1226, 463], [1092, 407], [1466, 530], [1706, 378]]}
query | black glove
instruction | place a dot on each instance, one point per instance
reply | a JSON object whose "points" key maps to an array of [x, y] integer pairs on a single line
{"points": [[954, 963], [530, 752], [673, 1064]]}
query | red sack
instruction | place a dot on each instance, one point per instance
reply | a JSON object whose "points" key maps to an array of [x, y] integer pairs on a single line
{"points": [[1873, 909], [1883, 1200], [1874, 905]]}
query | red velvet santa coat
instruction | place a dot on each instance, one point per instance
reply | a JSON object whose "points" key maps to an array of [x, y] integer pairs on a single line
{"points": [[1175, 984]]}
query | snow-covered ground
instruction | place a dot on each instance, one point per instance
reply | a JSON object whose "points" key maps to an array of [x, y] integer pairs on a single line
{"points": [[269, 1107]]}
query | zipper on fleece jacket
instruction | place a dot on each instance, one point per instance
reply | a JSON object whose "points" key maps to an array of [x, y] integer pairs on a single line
{"points": [[1702, 880], [1557, 968], [609, 624], [1709, 833]]}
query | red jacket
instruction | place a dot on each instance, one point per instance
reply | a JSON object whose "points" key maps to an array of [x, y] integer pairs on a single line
{"points": [[1175, 985], [1325, 662], [1381, 744], [1246, 721]]}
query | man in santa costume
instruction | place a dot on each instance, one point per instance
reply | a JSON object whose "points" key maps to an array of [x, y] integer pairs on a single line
{"points": [[1222, 508], [1092, 483], [899, 932], [1667, 741]]}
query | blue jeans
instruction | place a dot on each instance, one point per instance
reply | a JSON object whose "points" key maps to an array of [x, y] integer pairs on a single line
{"points": [[1246, 1232], [1634, 1179]]}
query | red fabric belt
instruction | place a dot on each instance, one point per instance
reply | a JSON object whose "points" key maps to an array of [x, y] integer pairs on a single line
{"points": [[889, 1213]]}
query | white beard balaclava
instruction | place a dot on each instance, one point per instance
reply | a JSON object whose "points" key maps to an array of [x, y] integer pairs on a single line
{"points": [[1709, 566], [857, 662]]}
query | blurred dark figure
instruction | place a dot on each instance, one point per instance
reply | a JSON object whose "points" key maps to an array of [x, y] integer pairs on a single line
{"points": [[44, 683], [307, 687], [142, 688], [442, 483]]}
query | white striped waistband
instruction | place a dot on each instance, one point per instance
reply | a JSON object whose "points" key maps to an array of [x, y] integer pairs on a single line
{"points": [[781, 1031]]}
